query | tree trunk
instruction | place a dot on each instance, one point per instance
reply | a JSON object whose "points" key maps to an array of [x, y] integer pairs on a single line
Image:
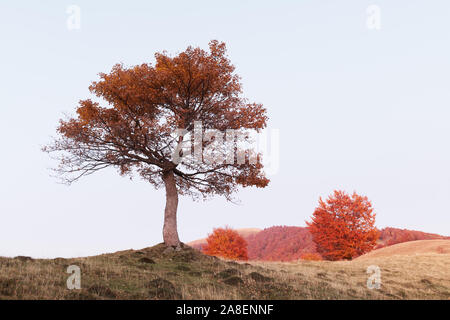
{"points": [[170, 233]]}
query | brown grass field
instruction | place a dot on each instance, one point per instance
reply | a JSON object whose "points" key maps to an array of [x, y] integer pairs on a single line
{"points": [[414, 270]]}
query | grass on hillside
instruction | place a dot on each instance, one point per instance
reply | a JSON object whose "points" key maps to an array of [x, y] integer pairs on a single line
{"points": [[156, 273]]}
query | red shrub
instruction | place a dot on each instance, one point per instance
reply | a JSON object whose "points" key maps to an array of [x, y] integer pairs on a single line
{"points": [[226, 243]]}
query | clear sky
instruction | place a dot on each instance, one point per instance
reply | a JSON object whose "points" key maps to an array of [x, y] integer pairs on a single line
{"points": [[357, 109]]}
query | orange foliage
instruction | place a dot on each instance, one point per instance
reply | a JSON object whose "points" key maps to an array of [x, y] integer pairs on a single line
{"points": [[132, 124], [283, 243], [311, 256], [141, 107], [226, 243], [343, 226]]}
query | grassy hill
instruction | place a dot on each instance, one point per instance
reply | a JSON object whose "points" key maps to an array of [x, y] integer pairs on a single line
{"points": [[158, 273]]}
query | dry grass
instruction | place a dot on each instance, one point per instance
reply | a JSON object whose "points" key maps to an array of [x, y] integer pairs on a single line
{"points": [[190, 275], [424, 276]]}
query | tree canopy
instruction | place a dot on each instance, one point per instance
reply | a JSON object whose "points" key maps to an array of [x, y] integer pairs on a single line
{"points": [[145, 105], [343, 226], [144, 116]]}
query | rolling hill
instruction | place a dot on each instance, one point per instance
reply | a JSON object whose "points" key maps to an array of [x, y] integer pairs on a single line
{"points": [[280, 243], [288, 243], [391, 236], [417, 247]]}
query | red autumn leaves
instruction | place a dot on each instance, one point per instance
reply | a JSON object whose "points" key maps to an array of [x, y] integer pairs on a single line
{"points": [[342, 227], [226, 243]]}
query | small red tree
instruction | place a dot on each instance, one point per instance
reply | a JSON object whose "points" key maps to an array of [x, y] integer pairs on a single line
{"points": [[343, 226], [226, 243]]}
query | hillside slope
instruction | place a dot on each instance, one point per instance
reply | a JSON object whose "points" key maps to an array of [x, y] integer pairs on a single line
{"points": [[280, 243], [391, 236], [155, 273]]}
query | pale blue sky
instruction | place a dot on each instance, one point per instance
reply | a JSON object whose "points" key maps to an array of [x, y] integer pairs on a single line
{"points": [[357, 109]]}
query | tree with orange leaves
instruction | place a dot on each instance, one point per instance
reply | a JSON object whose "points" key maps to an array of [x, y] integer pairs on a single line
{"points": [[343, 226], [226, 243], [147, 119]]}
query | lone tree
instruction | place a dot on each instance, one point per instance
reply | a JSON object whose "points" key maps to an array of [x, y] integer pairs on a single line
{"points": [[226, 243], [136, 129], [343, 226]]}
